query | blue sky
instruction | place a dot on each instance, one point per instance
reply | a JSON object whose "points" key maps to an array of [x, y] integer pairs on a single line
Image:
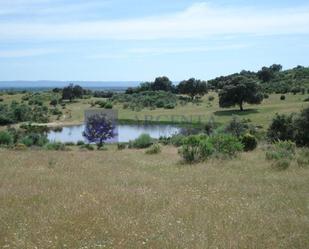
{"points": [[106, 40]]}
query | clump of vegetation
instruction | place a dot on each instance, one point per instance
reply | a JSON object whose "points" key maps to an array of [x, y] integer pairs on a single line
{"points": [[80, 143], [282, 97], [5, 138], [147, 99], [281, 128], [121, 146], [154, 149], [20, 146], [281, 150], [89, 147], [281, 153], [55, 146], [192, 148], [34, 139], [249, 142], [176, 140], [143, 141], [226, 145], [236, 127], [197, 148], [291, 127], [211, 98]]}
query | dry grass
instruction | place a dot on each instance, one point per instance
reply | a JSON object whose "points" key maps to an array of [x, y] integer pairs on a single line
{"points": [[126, 199]]}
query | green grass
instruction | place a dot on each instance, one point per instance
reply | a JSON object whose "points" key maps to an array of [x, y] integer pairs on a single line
{"points": [[259, 114], [127, 199]]}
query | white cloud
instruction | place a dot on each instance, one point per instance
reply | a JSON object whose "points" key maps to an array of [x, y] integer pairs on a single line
{"points": [[198, 21]]}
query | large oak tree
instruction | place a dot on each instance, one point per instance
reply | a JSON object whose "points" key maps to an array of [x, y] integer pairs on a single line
{"points": [[239, 91]]}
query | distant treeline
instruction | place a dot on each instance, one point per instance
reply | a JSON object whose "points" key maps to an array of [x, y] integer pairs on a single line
{"points": [[271, 79]]}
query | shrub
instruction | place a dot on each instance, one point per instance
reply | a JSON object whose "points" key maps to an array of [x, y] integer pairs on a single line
{"points": [[306, 100], [34, 139], [249, 142], [154, 149], [56, 111], [54, 146], [143, 141], [121, 146], [301, 125], [282, 97], [266, 96], [190, 150], [211, 98], [177, 140], [87, 147], [79, 143], [169, 106], [281, 150], [69, 144], [5, 138], [281, 128], [1, 99], [108, 105], [20, 146], [226, 145], [236, 127]]}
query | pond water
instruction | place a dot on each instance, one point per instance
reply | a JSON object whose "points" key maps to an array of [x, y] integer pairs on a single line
{"points": [[125, 132]]}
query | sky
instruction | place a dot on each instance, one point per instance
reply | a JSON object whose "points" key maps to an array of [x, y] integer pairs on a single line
{"points": [[138, 40]]}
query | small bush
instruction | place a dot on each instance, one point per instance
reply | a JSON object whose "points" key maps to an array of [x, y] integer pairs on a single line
{"points": [[5, 138], [69, 144], [281, 150], [169, 106], [34, 139], [121, 146], [281, 128], [154, 149], [79, 143], [108, 105], [282, 97], [55, 146], [177, 140], [236, 127], [190, 150], [20, 146], [226, 145], [249, 142], [306, 100], [87, 147], [266, 96], [211, 98], [143, 141]]}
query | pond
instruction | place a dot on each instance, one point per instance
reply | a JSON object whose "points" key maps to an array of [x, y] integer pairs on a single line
{"points": [[125, 132]]}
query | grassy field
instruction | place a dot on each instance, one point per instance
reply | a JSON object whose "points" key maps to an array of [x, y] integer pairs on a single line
{"points": [[126, 199], [259, 114]]}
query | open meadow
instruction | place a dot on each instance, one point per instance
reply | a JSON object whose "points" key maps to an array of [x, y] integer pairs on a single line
{"points": [[127, 199]]}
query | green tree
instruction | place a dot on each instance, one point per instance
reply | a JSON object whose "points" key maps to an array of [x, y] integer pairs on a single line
{"points": [[240, 90], [192, 87], [162, 84]]}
